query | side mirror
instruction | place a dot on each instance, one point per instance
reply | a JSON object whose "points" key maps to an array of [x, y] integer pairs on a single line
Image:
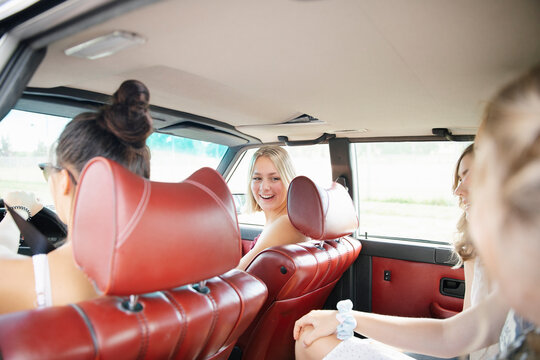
{"points": [[240, 202]]}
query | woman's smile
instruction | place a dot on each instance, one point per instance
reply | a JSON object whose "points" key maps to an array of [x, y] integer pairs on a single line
{"points": [[267, 186]]}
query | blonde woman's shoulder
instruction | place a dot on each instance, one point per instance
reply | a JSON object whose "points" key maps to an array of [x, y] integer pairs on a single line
{"points": [[283, 228]]}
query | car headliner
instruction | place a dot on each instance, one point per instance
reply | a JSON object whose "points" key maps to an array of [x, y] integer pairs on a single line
{"points": [[363, 68]]}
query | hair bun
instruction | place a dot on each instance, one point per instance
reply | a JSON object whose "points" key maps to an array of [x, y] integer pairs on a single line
{"points": [[128, 117]]}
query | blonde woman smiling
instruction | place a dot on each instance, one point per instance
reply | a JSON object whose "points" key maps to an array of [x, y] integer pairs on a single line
{"points": [[270, 173]]}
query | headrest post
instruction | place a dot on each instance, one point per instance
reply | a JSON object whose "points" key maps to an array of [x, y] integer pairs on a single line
{"points": [[132, 305], [201, 287], [133, 302]]}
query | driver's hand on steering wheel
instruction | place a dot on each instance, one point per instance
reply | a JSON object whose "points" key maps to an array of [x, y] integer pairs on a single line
{"points": [[26, 199], [9, 232]]}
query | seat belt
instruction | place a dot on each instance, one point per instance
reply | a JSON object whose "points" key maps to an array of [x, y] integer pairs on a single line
{"points": [[39, 246]]}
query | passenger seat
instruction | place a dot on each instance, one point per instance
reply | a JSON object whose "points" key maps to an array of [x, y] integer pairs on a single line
{"points": [[300, 276]]}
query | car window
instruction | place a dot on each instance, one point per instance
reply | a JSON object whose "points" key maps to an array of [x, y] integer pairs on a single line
{"points": [[312, 161], [404, 189], [174, 158], [25, 139]]}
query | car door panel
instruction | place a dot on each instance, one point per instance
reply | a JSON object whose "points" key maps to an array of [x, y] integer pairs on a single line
{"points": [[408, 288], [406, 279]]}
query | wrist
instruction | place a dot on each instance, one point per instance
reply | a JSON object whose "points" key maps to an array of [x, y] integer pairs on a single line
{"points": [[23, 210], [347, 322]]}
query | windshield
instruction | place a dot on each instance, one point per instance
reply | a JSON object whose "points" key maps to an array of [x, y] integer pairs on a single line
{"points": [[25, 139], [174, 158]]}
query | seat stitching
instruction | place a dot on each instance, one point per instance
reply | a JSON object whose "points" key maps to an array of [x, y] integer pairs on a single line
{"points": [[214, 318], [216, 198], [143, 324], [90, 327], [137, 214], [242, 305], [179, 309]]}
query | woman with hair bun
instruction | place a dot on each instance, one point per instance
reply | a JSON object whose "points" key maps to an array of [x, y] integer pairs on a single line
{"points": [[117, 132]]}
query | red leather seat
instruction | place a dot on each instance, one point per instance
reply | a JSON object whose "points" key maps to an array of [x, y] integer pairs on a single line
{"points": [[134, 238], [300, 276]]}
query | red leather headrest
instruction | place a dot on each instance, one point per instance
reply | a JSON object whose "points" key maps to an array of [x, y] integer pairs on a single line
{"points": [[131, 235], [321, 214]]}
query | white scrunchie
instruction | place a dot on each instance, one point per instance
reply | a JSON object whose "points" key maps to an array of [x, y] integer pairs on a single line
{"points": [[347, 322]]}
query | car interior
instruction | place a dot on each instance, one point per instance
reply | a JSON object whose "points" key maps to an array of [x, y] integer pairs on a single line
{"points": [[373, 100]]}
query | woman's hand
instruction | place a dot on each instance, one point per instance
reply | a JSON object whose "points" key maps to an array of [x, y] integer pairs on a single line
{"points": [[324, 323], [26, 199]]}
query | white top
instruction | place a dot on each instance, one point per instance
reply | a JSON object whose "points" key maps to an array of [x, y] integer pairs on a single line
{"points": [[513, 332], [480, 289], [358, 349]]}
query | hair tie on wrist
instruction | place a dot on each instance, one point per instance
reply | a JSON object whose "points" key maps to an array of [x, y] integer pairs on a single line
{"points": [[347, 322], [21, 207]]}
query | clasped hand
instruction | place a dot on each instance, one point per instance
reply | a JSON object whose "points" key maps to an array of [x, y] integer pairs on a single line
{"points": [[314, 325]]}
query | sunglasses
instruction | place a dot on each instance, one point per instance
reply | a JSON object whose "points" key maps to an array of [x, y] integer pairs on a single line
{"points": [[46, 168]]}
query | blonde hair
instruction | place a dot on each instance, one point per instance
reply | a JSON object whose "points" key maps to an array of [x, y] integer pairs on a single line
{"points": [[281, 160], [463, 245], [508, 155]]}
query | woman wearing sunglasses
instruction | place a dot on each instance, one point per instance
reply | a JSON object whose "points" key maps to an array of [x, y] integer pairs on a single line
{"points": [[117, 132]]}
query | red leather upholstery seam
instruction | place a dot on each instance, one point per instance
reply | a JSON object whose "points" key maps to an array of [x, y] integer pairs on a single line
{"points": [[144, 334], [182, 314], [242, 306], [138, 213], [214, 317], [316, 276], [90, 328], [212, 194]]}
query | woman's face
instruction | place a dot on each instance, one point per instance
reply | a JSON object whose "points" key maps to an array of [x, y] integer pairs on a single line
{"points": [[464, 180], [267, 186]]}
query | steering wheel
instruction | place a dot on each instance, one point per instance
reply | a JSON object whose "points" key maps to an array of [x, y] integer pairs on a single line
{"points": [[48, 223]]}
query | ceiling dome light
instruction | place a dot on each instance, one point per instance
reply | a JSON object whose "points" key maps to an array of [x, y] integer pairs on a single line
{"points": [[105, 45]]}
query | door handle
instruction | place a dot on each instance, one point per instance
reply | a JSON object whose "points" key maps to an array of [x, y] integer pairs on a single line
{"points": [[452, 287]]}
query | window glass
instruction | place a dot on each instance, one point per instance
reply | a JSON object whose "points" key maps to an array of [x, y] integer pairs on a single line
{"points": [[25, 138], [404, 189], [174, 158], [312, 161]]}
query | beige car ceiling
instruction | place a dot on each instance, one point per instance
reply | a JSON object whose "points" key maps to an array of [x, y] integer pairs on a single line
{"points": [[364, 68]]}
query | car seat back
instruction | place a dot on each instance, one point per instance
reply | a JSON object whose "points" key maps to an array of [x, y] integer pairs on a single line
{"points": [[162, 255], [300, 276]]}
